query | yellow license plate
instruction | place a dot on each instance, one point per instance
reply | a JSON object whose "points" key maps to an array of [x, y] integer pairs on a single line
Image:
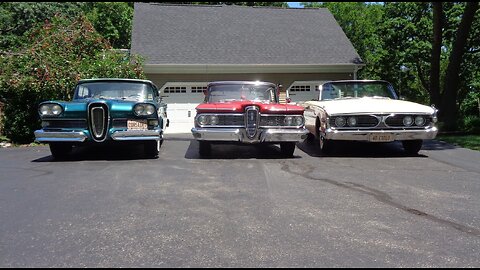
{"points": [[137, 124], [381, 137]]}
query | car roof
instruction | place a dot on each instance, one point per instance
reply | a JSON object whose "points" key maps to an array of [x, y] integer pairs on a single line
{"points": [[241, 82], [114, 79]]}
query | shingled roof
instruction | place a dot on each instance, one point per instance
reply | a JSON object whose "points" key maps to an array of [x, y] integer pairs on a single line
{"points": [[229, 34]]}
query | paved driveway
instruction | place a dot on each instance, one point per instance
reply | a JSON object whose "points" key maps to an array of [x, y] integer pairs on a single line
{"points": [[368, 206]]}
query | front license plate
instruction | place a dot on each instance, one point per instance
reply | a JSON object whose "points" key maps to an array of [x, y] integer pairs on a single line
{"points": [[137, 124], [381, 137]]}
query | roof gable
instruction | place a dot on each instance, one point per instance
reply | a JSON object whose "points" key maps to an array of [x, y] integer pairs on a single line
{"points": [[229, 34]]}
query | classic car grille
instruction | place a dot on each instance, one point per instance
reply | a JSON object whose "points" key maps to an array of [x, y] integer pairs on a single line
{"points": [[98, 120], [67, 124], [230, 120], [272, 120], [251, 121], [363, 121], [397, 120]]}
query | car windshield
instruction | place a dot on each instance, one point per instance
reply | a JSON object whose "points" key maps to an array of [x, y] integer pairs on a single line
{"points": [[236, 92], [114, 90], [338, 90]]}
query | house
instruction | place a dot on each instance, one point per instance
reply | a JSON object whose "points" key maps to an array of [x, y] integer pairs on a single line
{"points": [[187, 46]]}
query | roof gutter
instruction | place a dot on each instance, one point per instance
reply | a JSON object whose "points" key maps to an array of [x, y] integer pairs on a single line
{"points": [[249, 68]]}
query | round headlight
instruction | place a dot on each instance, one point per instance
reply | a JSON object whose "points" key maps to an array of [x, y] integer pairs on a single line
{"points": [[44, 109], [407, 120], [352, 121], [202, 120], [213, 120], [139, 109], [149, 109], [298, 120], [419, 121], [340, 121], [56, 109], [288, 120]]}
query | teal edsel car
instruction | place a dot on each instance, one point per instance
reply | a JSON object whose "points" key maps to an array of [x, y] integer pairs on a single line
{"points": [[105, 111]]}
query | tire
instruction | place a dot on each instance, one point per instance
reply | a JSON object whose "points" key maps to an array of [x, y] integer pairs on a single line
{"points": [[325, 146], [204, 148], [412, 147], [287, 149], [60, 150], [151, 148]]}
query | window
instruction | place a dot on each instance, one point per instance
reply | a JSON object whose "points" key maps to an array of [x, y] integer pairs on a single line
{"points": [[175, 89], [198, 89], [300, 88]]}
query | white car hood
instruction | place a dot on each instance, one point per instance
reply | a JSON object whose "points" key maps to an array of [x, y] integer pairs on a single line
{"points": [[371, 105]]}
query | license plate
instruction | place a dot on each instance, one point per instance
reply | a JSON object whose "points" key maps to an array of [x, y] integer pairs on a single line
{"points": [[381, 137], [137, 124]]}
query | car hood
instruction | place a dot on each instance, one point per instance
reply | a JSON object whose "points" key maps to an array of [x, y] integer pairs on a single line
{"points": [[371, 105], [239, 107]]}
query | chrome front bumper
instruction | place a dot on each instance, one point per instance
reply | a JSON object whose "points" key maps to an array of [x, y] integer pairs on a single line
{"points": [[364, 135], [80, 136], [240, 135]]}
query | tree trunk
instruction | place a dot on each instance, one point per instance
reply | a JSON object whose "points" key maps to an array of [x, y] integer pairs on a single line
{"points": [[448, 110], [434, 87]]}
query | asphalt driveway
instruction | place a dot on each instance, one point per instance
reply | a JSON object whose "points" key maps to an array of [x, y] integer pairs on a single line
{"points": [[367, 206]]}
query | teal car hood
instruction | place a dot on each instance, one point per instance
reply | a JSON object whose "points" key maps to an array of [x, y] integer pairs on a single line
{"points": [[118, 108]]}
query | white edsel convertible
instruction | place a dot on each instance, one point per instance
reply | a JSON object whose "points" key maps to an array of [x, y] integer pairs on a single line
{"points": [[367, 110]]}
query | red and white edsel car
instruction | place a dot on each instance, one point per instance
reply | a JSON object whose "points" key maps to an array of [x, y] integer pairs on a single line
{"points": [[247, 112]]}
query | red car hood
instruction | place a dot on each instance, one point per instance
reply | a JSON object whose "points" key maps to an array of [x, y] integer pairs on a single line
{"points": [[239, 107]]}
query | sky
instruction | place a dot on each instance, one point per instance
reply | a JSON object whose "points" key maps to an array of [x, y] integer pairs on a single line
{"points": [[294, 4]]}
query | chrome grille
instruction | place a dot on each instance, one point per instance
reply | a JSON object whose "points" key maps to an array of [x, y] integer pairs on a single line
{"points": [[68, 124], [251, 121], [230, 120], [272, 120], [98, 121], [363, 121]]}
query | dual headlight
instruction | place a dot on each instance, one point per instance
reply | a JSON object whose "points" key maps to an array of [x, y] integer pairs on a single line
{"points": [[203, 120], [343, 121], [50, 109], [144, 109], [293, 120], [418, 120]]}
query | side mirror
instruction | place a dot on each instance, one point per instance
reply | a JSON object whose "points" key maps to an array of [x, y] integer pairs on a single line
{"points": [[288, 100], [402, 98]]}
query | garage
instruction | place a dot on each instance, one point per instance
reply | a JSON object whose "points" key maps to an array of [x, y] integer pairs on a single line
{"points": [[185, 47]]}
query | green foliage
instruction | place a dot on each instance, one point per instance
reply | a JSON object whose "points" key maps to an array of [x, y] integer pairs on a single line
{"points": [[471, 124], [113, 20], [467, 141], [17, 18], [61, 52]]}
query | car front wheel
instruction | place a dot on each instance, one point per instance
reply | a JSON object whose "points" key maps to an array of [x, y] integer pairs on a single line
{"points": [[412, 147], [60, 150], [205, 148], [287, 149], [151, 148], [326, 146]]}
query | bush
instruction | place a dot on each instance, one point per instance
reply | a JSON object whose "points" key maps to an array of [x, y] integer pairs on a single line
{"points": [[61, 53], [471, 124]]}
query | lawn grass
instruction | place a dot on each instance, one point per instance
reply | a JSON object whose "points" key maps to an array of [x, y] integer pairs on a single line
{"points": [[466, 141]]}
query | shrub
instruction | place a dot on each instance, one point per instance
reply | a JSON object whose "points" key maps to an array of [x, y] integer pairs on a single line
{"points": [[471, 124], [60, 53]]}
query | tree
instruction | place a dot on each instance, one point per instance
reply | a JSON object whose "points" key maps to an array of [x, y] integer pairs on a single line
{"points": [[61, 52]]}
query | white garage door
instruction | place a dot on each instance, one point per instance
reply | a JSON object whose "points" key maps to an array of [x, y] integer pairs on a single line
{"points": [[304, 90], [181, 99]]}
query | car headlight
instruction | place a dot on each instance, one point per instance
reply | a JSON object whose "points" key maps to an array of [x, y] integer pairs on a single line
{"points": [[298, 120], [202, 120], [407, 120], [352, 121], [340, 121], [144, 109], [419, 121], [50, 109], [213, 120], [288, 120]]}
